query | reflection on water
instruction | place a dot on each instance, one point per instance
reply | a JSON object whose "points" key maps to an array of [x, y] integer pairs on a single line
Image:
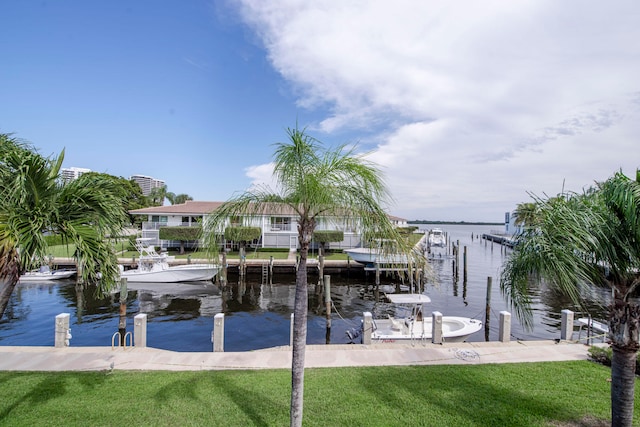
{"points": [[257, 315]]}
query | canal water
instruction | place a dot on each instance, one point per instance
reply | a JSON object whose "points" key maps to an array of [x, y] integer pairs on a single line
{"points": [[258, 315]]}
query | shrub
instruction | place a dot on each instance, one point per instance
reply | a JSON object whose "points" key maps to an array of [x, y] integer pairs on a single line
{"points": [[603, 356]]}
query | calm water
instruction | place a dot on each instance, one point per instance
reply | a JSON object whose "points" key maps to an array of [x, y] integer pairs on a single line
{"points": [[257, 315]]}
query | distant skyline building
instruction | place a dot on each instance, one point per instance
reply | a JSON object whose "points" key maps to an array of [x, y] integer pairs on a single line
{"points": [[71, 174], [147, 183]]}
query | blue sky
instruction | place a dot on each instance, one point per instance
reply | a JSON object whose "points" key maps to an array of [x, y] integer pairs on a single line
{"points": [[468, 106]]}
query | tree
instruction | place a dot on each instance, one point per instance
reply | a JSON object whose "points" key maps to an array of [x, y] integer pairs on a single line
{"points": [[313, 182], [526, 214], [157, 195], [128, 190], [34, 203], [580, 239], [177, 199], [327, 236], [181, 234]]}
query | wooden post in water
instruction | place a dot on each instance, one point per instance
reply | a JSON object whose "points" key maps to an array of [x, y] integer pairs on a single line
{"points": [[327, 300], [122, 324], [223, 277], [242, 261], [464, 265], [487, 315]]}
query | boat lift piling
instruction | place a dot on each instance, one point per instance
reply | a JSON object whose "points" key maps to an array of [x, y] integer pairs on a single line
{"points": [[327, 299], [122, 324], [487, 315]]}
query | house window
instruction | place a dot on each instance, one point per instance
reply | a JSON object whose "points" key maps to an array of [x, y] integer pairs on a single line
{"points": [[279, 223], [185, 221], [159, 218]]}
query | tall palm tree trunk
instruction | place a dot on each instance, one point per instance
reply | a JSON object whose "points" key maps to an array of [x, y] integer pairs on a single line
{"points": [[624, 337], [5, 294], [623, 377], [299, 340]]}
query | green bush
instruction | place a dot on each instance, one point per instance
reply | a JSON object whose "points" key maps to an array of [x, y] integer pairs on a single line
{"points": [[180, 233], [603, 355]]}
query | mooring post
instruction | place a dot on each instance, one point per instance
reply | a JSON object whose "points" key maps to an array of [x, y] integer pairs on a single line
{"points": [[367, 328], [487, 315], [464, 265], [566, 325], [62, 331], [122, 324], [140, 330], [217, 336], [436, 327], [327, 299], [223, 279], [504, 332], [242, 261], [270, 267]]}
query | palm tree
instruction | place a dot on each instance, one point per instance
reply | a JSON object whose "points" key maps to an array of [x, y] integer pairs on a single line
{"points": [[33, 203], [581, 239], [313, 183], [526, 214], [177, 199], [157, 195]]}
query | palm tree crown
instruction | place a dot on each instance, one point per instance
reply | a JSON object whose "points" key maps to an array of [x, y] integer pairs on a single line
{"points": [[314, 183], [585, 239], [33, 203]]}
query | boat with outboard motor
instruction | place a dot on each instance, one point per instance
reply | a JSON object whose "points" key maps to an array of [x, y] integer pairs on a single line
{"points": [[369, 256], [44, 274], [437, 238], [153, 267], [409, 324]]}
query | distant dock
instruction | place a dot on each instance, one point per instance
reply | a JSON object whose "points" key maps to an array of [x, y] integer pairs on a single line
{"points": [[501, 239]]}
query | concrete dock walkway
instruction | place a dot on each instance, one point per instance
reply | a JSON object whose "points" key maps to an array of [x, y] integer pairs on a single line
{"points": [[317, 356]]}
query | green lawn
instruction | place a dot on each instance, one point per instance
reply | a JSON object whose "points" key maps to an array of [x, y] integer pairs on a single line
{"points": [[531, 394]]}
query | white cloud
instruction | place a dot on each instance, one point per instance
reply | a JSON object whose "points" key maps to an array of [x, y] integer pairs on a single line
{"points": [[473, 104]]}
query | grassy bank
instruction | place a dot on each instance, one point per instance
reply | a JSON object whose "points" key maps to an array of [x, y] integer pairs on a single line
{"points": [[532, 394]]}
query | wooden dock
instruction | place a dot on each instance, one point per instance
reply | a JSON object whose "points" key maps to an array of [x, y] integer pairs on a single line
{"points": [[500, 239]]}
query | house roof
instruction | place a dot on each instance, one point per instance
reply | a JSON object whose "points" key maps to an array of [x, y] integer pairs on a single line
{"points": [[191, 207]]}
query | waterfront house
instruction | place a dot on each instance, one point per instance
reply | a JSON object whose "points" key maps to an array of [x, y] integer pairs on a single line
{"points": [[278, 224]]}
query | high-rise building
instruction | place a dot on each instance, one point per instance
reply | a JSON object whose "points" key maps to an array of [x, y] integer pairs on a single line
{"points": [[70, 174], [147, 183]]}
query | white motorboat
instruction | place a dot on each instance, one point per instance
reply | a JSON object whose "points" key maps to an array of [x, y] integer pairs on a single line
{"points": [[374, 255], [154, 268], [437, 238], [416, 326], [45, 274]]}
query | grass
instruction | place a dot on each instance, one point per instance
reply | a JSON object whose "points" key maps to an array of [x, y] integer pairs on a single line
{"points": [[531, 394]]}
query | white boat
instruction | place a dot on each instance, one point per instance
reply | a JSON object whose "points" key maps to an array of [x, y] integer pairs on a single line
{"points": [[46, 274], [374, 255], [154, 268], [437, 239], [415, 326]]}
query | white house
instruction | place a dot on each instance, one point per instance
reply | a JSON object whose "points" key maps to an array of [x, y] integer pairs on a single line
{"points": [[278, 225]]}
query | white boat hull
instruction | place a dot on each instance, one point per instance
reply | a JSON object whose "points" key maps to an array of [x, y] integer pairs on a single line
{"points": [[372, 255], [437, 238], [454, 329], [37, 276], [175, 274]]}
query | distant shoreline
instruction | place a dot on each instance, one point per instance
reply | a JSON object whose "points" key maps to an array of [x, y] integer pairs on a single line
{"points": [[454, 222]]}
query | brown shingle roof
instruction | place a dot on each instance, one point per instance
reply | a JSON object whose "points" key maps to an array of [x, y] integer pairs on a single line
{"points": [[190, 207]]}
